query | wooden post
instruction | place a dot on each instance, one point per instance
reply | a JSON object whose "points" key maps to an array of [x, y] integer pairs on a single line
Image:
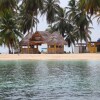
{"points": [[37, 46], [48, 49], [55, 47], [28, 48], [95, 48], [63, 49], [21, 49]]}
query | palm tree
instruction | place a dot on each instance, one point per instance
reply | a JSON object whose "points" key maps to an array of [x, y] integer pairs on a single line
{"points": [[30, 9], [50, 29], [31, 6], [50, 9], [79, 19], [82, 21], [70, 38], [26, 21], [90, 6], [9, 33], [72, 10], [62, 24], [8, 4]]}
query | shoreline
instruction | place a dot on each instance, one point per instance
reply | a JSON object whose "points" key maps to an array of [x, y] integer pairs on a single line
{"points": [[85, 56]]}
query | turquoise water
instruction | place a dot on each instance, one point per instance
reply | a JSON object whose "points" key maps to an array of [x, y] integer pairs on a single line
{"points": [[49, 80]]}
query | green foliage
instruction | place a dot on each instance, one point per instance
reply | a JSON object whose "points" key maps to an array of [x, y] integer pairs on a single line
{"points": [[50, 8], [31, 6], [26, 21], [9, 32], [8, 5], [80, 20], [90, 6], [62, 25], [28, 14]]}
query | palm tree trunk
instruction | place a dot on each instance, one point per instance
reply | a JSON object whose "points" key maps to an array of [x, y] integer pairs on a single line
{"points": [[32, 26], [36, 23], [36, 18], [9, 49], [81, 46], [63, 35], [32, 23]]}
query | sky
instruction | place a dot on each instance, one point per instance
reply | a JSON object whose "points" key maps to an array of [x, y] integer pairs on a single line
{"points": [[43, 25]]}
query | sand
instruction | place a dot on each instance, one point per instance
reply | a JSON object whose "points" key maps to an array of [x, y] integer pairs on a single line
{"points": [[86, 56]]}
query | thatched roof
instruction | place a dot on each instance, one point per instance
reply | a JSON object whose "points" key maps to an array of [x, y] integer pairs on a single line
{"points": [[44, 34], [25, 40], [40, 36], [56, 38]]}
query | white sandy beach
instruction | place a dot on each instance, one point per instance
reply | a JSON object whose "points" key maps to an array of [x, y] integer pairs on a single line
{"points": [[50, 56]]}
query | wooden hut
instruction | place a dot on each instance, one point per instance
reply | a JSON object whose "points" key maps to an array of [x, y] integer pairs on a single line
{"points": [[55, 43], [33, 41], [37, 39], [90, 47]]}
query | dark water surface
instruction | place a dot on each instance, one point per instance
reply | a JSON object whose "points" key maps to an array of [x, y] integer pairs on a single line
{"points": [[49, 80]]}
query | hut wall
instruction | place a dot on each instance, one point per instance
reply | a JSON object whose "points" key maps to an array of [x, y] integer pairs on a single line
{"points": [[98, 48], [55, 49], [60, 50], [26, 50], [29, 51], [92, 48], [51, 50]]}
